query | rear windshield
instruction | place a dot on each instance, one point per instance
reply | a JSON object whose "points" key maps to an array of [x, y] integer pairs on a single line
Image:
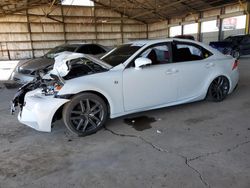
{"points": [[120, 54]]}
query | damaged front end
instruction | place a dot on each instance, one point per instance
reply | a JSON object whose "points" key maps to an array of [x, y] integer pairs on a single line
{"points": [[37, 104], [38, 100], [47, 86]]}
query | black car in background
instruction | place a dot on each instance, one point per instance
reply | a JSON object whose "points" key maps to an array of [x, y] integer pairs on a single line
{"points": [[25, 70], [236, 45]]}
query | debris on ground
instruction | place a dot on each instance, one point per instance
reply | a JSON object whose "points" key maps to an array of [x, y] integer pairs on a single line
{"points": [[158, 131]]}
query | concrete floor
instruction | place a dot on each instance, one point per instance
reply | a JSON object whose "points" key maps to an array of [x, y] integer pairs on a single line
{"points": [[202, 144], [6, 68]]}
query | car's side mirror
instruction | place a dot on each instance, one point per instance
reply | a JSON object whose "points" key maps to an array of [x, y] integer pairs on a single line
{"points": [[142, 61]]}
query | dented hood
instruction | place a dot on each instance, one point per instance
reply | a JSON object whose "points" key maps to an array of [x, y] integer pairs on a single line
{"points": [[62, 62]]}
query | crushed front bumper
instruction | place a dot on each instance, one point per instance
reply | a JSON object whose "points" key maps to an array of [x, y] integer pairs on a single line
{"points": [[38, 110]]}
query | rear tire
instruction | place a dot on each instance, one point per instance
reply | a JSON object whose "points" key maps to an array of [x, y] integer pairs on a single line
{"points": [[85, 114], [218, 89]]}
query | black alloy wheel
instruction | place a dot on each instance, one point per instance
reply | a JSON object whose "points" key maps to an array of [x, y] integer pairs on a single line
{"points": [[85, 114], [218, 89]]}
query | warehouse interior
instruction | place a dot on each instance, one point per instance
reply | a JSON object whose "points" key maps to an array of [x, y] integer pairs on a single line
{"points": [[200, 144], [30, 28]]}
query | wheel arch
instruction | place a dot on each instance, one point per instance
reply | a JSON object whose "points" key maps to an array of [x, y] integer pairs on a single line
{"points": [[102, 96], [58, 114]]}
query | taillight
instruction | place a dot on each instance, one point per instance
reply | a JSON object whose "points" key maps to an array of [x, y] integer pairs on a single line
{"points": [[235, 65]]}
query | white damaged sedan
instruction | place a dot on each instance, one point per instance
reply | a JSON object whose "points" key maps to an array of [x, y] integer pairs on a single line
{"points": [[134, 77]]}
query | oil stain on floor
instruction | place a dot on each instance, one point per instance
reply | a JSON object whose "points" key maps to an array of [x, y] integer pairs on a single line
{"points": [[199, 119], [140, 123]]}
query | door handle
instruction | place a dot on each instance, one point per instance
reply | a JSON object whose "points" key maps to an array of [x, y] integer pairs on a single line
{"points": [[208, 65], [172, 71], [169, 72]]}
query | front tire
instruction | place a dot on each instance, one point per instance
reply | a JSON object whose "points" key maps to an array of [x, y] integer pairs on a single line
{"points": [[218, 89], [85, 114]]}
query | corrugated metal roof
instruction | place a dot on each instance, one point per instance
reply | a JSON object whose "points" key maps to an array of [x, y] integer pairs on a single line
{"points": [[13, 6], [147, 11], [156, 10]]}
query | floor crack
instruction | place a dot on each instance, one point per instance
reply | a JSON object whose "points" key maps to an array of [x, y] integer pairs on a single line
{"points": [[163, 150], [140, 137], [204, 155], [221, 151], [196, 171]]}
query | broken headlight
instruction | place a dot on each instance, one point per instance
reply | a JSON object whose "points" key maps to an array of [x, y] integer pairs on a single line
{"points": [[51, 89]]}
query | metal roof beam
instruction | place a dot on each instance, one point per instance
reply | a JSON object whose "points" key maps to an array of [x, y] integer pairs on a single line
{"points": [[160, 8], [117, 10]]}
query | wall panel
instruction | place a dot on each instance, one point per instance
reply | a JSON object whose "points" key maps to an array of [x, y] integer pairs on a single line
{"points": [[32, 33]]}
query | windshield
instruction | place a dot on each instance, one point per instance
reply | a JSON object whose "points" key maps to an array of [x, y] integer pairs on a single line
{"points": [[58, 49], [120, 54]]}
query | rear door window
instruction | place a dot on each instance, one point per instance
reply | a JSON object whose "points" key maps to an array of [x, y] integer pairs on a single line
{"points": [[189, 52]]}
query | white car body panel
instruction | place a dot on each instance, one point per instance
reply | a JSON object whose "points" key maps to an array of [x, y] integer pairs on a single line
{"points": [[138, 95], [192, 85], [111, 90], [39, 110], [130, 90]]}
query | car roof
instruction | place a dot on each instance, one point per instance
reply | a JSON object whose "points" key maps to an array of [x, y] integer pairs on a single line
{"points": [[78, 44], [69, 45], [146, 43], [154, 41]]}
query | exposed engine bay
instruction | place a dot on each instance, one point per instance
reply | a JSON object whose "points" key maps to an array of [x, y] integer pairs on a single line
{"points": [[49, 87]]}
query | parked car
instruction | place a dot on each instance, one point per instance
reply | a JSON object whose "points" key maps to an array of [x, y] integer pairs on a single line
{"points": [[236, 45], [190, 37], [134, 77], [25, 71]]}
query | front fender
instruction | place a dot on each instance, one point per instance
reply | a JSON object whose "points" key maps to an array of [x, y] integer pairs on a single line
{"points": [[109, 87]]}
